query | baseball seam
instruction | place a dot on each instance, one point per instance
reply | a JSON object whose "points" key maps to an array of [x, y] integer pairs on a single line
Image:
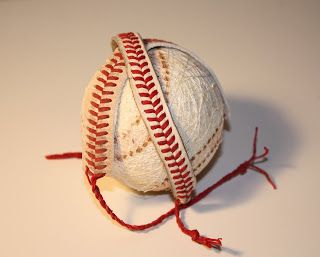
{"points": [[98, 124], [156, 116]]}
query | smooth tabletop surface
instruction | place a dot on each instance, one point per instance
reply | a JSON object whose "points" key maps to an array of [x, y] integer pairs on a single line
{"points": [[266, 56]]}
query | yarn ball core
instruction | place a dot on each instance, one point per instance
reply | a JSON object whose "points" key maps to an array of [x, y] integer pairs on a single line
{"points": [[195, 101]]}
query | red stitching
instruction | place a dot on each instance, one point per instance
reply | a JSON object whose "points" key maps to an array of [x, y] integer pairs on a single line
{"points": [[159, 109], [97, 109], [136, 55], [104, 109], [119, 55], [121, 64], [161, 117], [156, 102], [113, 60]]}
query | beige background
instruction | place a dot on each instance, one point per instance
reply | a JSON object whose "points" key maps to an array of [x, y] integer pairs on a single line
{"points": [[266, 55]]}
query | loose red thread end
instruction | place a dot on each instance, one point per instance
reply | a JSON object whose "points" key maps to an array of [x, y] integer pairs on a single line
{"points": [[250, 163], [69, 155], [194, 234]]}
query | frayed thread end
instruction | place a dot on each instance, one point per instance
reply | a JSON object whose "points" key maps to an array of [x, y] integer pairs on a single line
{"points": [[62, 156]]}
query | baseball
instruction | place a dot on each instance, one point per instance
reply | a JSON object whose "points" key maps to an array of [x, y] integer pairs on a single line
{"points": [[152, 116]]}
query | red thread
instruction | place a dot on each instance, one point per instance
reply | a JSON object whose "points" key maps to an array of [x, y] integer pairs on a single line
{"points": [[69, 155], [194, 234]]}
